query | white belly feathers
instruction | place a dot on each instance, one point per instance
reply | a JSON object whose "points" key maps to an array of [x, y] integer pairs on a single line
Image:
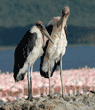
{"points": [[60, 43]]}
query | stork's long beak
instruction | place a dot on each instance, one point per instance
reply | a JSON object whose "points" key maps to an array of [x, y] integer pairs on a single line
{"points": [[47, 35], [61, 27]]}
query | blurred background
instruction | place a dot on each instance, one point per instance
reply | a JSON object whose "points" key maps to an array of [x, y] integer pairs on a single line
{"points": [[18, 16]]}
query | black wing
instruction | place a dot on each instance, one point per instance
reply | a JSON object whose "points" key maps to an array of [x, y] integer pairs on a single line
{"points": [[22, 51]]}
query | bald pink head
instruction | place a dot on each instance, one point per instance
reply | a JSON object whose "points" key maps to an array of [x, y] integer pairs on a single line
{"points": [[65, 11], [40, 25], [39, 22]]}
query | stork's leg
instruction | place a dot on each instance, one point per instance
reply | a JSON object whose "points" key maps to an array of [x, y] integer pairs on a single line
{"points": [[61, 73], [30, 82], [31, 78], [28, 77], [49, 77]]}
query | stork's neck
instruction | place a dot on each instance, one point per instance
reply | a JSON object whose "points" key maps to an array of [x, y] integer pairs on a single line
{"points": [[59, 23]]}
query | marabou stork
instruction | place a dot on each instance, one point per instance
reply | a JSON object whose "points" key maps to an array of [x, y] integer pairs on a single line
{"points": [[27, 52], [53, 53]]}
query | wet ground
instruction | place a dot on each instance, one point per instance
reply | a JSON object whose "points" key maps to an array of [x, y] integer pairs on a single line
{"points": [[56, 102]]}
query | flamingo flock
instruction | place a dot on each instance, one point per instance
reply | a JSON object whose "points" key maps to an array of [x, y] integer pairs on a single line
{"points": [[73, 83]]}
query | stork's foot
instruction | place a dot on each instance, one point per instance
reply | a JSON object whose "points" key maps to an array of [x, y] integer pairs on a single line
{"points": [[62, 96], [50, 96], [30, 98]]}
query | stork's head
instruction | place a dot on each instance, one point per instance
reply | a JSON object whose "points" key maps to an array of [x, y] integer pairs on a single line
{"points": [[65, 12], [40, 25], [43, 30]]}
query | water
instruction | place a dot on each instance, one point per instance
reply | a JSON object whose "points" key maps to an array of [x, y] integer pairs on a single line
{"points": [[74, 57]]}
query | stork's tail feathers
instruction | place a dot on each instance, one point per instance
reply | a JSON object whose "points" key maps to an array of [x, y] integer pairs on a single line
{"points": [[18, 76], [44, 67]]}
